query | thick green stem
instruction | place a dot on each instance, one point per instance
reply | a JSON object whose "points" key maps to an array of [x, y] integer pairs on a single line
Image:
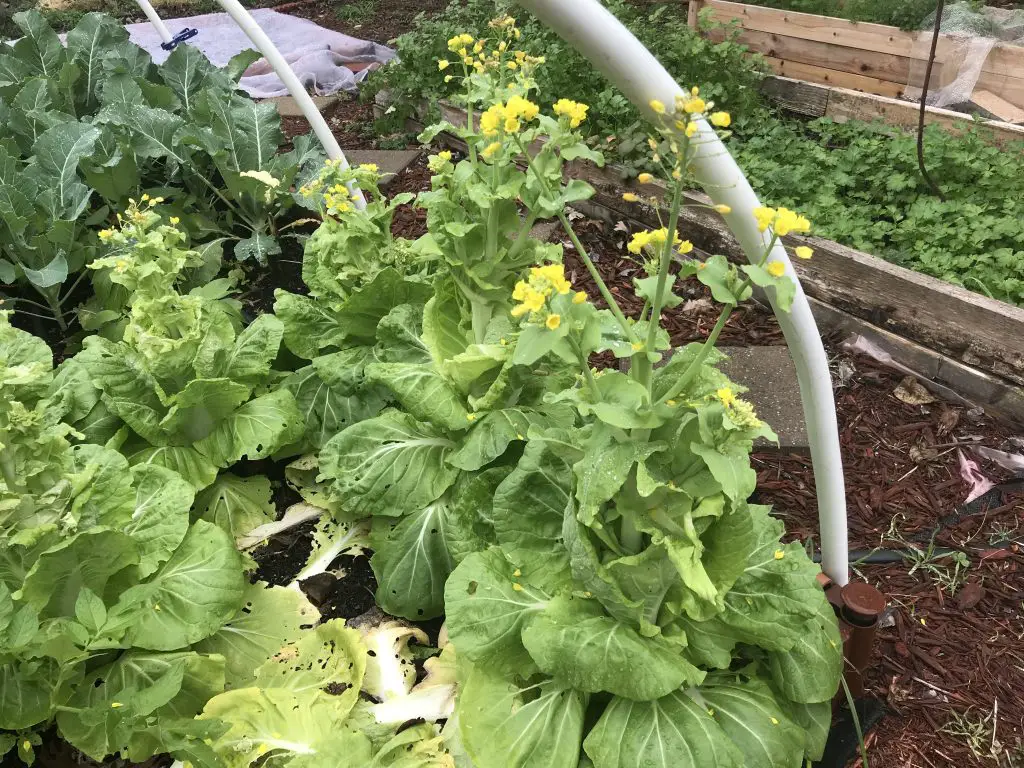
{"points": [[522, 236], [8, 470], [588, 375], [644, 376], [691, 372], [632, 539], [481, 318], [605, 293]]}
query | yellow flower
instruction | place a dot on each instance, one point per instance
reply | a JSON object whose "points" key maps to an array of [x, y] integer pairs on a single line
{"points": [[550, 277], [726, 396], [449, 78], [511, 125], [491, 120], [695, 91], [512, 65], [490, 150], [174, 221], [629, 197], [787, 221], [645, 178], [478, 46], [721, 119], [691, 129], [723, 208], [776, 268], [685, 247], [657, 106], [145, 198], [443, 64], [694, 106], [765, 216], [803, 252], [574, 110], [553, 322], [106, 234], [638, 242], [517, 106], [579, 297], [521, 290], [468, 61]]}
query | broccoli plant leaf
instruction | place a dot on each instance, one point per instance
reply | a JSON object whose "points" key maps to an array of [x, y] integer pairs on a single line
{"points": [[423, 392], [256, 429], [160, 519]]}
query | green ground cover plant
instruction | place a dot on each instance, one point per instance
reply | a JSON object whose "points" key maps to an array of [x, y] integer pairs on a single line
{"points": [[859, 181]]}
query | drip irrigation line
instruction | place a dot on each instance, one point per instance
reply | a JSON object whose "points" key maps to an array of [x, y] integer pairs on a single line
{"points": [[924, 98], [981, 505]]}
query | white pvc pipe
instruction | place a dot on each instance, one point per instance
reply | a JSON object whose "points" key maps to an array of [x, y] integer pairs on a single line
{"points": [[155, 20], [273, 56], [602, 38]]}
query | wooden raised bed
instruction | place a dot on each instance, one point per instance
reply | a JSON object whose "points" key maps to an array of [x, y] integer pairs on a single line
{"points": [[873, 58], [970, 346]]}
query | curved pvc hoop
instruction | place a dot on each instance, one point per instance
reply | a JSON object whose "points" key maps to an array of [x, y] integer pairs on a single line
{"points": [[295, 87], [600, 37]]}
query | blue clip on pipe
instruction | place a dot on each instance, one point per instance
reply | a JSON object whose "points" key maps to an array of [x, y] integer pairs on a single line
{"points": [[181, 37]]}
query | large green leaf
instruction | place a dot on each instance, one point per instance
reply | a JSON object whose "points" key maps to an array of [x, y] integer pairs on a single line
{"points": [[529, 510], [389, 464], [367, 306], [412, 563], [754, 721], [809, 672], [777, 593], [331, 398], [487, 606], [197, 408], [184, 460], [125, 697], [187, 71], [670, 732], [573, 640], [101, 488], [129, 390], [329, 655], [26, 689], [40, 48], [309, 325], [443, 333], [248, 131], [86, 560], [160, 519], [423, 392], [279, 726], [237, 504], [249, 360], [255, 430], [57, 154], [491, 435], [270, 618], [191, 596], [507, 725], [95, 38]]}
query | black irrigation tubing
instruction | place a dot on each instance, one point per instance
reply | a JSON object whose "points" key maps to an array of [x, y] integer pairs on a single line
{"points": [[978, 506], [924, 97]]}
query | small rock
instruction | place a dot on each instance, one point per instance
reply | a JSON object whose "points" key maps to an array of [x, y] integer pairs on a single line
{"points": [[911, 391]]}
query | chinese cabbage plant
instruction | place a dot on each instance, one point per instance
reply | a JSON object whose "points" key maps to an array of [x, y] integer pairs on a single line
{"points": [[612, 596], [181, 384]]}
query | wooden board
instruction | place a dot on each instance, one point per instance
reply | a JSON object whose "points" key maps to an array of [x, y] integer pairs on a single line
{"points": [[859, 48], [1001, 108], [883, 66], [834, 77], [841, 104]]}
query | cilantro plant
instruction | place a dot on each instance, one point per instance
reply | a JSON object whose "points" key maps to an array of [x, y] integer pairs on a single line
{"points": [[94, 123]]}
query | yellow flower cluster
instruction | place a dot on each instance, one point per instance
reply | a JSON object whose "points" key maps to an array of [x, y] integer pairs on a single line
{"points": [[336, 198], [689, 107], [474, 57], [437, 162], [741, 412], [574, 110], [782, 221], [508, 117], [656, 239], [135, 215], [543, 283], [775, 268]]}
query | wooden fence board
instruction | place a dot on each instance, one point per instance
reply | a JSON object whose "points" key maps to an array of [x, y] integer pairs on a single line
{"points": [[834, 77]]}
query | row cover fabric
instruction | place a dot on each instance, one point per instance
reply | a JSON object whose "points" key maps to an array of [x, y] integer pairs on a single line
{"points": [[325, 61]]}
